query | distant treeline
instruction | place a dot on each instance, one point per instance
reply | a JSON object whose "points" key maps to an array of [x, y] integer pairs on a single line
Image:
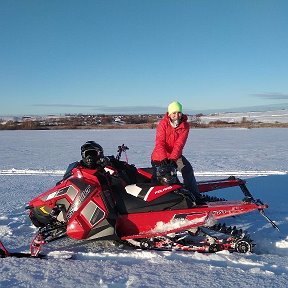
{"points": [[123, 122]]}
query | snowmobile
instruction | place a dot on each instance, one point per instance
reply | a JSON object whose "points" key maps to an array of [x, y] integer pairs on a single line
{"points": [[87, 205]]}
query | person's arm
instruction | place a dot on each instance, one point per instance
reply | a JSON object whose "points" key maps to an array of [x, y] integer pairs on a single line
{"points": [[161, 141], [179, 144], [68, 172]]}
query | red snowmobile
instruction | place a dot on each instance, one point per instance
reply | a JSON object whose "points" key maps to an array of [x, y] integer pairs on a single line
{"points": [[120, 203]]}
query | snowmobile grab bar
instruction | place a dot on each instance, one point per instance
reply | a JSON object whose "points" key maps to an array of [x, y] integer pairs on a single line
{"points": [[247, 194]]}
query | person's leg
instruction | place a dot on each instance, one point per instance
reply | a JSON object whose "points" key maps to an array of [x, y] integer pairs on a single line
{"points": [[187, 172]]}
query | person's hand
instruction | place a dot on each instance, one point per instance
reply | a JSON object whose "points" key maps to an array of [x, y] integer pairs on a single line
{"points": [[165, 162], [168, 162], [173, 163]]}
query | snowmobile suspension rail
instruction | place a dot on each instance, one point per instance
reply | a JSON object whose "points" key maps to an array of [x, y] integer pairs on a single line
{"points": [[249, 197]]}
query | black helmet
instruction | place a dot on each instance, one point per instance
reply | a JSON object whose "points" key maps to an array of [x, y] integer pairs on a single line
{"points": [[167, 174], [92, 154]]}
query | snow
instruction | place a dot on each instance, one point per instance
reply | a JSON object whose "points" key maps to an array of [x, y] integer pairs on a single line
{"points": [[280, 116], [33, 161], [175, 224]]}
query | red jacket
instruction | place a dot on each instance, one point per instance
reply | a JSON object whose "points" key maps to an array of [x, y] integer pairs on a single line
{"points": [[170, 141]]}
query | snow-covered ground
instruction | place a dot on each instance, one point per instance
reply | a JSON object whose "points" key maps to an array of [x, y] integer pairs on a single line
{"points": [[273, 116], [33, 161]]}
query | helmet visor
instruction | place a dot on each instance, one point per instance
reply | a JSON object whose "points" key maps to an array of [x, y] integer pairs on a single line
{"points": [[90, 152]]}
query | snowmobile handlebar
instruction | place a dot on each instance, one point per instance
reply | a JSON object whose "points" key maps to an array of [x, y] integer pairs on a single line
{"points": [[121, 149]]}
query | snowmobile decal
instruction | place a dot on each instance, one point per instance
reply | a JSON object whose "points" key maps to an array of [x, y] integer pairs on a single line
{"points": [[133, 190], [43, 210], [69, 190], [149, 193], [85, 191], [158, 191], [93, 213]]}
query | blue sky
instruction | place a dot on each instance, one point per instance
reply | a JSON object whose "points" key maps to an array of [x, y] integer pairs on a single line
{"points": [[132, 56]]}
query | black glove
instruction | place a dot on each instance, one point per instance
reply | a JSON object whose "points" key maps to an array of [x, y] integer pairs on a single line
{"points": [[165, 162], [173, 163], [168, 162]]}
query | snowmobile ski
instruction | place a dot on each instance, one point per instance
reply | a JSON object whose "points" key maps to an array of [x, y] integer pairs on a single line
{"points": [[5, 253]]}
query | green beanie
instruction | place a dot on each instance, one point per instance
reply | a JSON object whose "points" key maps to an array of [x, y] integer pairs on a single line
{"points": [[174, 107]]}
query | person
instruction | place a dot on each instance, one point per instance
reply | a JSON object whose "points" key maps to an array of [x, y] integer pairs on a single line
{"points": [[171, 136], [92, 155]]}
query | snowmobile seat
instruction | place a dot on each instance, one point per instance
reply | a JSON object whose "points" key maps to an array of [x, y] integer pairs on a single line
{"points": [[127, 203]]}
